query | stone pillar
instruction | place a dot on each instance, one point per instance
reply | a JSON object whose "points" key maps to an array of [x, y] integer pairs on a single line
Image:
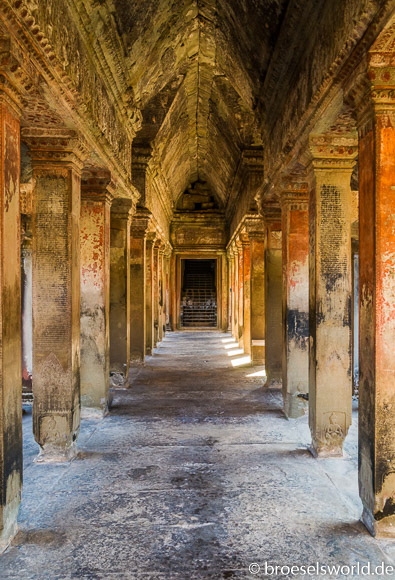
{"points": [[355, 314], [173, 291], [235, 323], [27, 313], [330, 376], [273, 295], [149, 293], [95, 291], [295, 360], [167, 289], [10, 317], [246, 250], [155, 282], [230, 290], [376, 126], [240, 279], [57, 163], [138, 232], [161, 293], [121, 215], [256, 237]]}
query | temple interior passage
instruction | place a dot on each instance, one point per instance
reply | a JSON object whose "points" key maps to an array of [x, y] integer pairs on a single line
{"points": [[195, 473], [197, 287]]}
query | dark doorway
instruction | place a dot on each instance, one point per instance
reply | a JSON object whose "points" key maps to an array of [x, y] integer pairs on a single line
{"points": [[199, 293]]}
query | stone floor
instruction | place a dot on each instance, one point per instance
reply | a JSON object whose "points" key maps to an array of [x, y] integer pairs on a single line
{"points": [[195, 473]]}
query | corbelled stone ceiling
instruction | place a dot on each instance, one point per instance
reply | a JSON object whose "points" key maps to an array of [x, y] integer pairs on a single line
{"points": [[197, 68]]}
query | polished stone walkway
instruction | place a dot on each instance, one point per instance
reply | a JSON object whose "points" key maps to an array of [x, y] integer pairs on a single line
{"points": [[194, 474]]}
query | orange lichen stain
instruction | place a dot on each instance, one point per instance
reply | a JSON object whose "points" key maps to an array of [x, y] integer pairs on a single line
{"points": [[385, 249], [298, 247], [92, 244]]}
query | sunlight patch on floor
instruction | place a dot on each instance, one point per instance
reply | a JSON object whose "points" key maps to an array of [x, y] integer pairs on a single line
{"points": [[233, 345], [261, 373], [235, 352], [243, 360]]}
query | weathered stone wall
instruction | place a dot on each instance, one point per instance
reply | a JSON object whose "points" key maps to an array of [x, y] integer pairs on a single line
{"points": [[301, 72]]}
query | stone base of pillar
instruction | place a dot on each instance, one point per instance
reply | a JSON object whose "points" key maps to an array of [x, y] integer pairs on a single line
{"points": [[57, 439], [55, 454], [383, 528], [273, 382], [295, 406], [118, 378], [136, 361], [96, 413], [258, 352], [325, 450], [9, 516]]}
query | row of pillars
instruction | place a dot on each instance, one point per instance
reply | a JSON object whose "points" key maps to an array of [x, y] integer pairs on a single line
{"points": [[316, 323], [99, 269]]}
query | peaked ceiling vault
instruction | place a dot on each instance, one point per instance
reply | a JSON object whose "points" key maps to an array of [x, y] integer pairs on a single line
{"points": [[197, 68]]}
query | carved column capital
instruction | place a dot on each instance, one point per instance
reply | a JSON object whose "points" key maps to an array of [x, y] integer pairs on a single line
{"points": [[244, 239], [255, 227], [150, 239], [140, 223], [61, 147], [271, 212], [97, 186], [332, 154], [123, 208], [372, 94], [295, 199]]}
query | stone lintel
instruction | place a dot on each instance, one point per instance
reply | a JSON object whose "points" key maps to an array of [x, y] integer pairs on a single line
{"points": [[271, 212]]}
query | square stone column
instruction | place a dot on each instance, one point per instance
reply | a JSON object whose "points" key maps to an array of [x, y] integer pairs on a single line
{"points": [[27, 313], [230, 291], [256, 236], [149, 293], [295, 361], [330, 373], [10, 317], [155, 282], [235, 289], [376, 127], [240, 294], [167, 262], [252, 240], [57, 162], [161, 293], [95, 291], [138, 233], [122, 211], [273, 294], [247, 312]]}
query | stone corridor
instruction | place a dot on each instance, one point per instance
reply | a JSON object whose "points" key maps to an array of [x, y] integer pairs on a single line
{"points": [[194, 473]]}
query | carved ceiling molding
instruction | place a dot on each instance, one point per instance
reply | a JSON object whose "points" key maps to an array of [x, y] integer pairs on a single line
{"points": [[65, 63], [338, 76]]}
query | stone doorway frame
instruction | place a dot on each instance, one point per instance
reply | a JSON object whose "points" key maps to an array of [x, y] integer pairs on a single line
{"points": [[221, 273]]}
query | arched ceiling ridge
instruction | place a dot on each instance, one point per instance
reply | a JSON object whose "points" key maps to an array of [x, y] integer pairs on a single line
{"points": [[220, 49]]}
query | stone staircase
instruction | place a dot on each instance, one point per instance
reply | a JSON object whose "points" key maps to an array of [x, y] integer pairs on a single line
{"points": [[199, 297]]}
